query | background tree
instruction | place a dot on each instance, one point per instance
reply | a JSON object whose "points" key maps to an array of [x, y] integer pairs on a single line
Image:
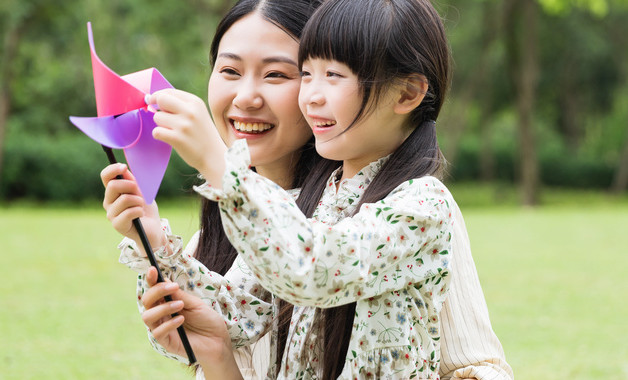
{"points": [[539, 93]]}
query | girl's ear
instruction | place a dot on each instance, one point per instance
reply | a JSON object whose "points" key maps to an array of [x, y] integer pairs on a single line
{"points": [[411, 93]]}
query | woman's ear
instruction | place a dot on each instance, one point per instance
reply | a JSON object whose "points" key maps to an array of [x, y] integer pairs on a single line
{"points": [[412, 90]]}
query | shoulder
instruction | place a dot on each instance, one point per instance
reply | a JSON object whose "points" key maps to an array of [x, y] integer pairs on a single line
{"points": [[422, 189]]}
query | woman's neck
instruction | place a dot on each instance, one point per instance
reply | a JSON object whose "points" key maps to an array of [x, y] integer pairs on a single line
{"points": [[282, 173]]}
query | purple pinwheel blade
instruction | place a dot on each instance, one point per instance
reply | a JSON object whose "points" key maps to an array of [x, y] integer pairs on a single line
{"points": [[114, 132], [148, 158]]}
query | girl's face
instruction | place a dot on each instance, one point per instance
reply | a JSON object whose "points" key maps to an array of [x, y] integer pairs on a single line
{"points": [[330, 98], [253, 92]]}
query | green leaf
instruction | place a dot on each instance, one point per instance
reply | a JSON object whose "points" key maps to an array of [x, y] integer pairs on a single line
{"points": [[301, 238], [209, 287], [380, 247]]}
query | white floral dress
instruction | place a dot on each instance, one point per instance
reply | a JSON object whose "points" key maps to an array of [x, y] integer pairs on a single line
{"points": [[391, 258]]}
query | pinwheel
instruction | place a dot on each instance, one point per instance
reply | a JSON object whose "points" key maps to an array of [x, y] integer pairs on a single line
{"points": [[125, 122]]}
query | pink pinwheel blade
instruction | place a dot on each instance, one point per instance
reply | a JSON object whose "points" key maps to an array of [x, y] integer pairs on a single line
{"points": [[114, 95], [148, 158], [113, 132]]}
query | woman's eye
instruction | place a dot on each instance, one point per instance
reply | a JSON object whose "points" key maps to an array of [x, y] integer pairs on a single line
{"points": [[228, 71], [276, 74]]}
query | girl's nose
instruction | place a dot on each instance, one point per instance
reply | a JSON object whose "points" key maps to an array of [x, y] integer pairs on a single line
{"points": [[248, 97], [311, 95]]}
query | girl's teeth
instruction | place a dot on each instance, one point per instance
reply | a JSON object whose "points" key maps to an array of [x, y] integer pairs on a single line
{"points": [[251, 127], [326, 124]]}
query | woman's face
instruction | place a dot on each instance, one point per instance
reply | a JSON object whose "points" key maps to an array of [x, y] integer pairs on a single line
{"points": [[253, 92]]}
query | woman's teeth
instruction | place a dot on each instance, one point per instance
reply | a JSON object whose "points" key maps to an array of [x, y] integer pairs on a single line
{"points": [[251, 127]]}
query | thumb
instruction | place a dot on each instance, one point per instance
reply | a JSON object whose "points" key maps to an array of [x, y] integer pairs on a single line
{"points": [[151, 276]]}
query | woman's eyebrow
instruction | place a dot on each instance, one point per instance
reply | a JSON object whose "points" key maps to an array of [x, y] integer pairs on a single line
{"points": [[279, 60], [230, 56]]}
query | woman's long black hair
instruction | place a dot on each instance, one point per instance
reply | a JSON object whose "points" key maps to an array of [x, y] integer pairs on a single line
{"points": [[380, 41], [214, 249]]}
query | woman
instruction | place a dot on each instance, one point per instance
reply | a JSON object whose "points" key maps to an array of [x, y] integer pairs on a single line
{"points": [[253, 93]]}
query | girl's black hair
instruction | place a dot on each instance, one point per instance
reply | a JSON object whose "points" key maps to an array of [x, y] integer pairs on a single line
{"points": [[381, 41]]}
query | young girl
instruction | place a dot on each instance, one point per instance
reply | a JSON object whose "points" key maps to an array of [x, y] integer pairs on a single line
{"points": [[368, 273], [253, 95]]}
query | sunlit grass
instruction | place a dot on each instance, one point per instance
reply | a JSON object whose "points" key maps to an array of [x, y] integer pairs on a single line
{"points": [[553, 276]]}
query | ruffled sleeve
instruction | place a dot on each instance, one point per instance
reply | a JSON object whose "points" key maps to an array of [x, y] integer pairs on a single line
{"points": [[400, 240], [246, 307]]}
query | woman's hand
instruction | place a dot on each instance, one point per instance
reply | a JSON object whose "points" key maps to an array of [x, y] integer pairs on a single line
{"points": [[205, 328], [123, 202], [183, 122]]}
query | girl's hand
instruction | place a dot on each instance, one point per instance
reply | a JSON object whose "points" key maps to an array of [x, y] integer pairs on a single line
{"points": [[183, 122], [205, 328], [123, 202]]}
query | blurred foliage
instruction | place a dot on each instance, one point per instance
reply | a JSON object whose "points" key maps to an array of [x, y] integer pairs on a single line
{"points": [[581, 116]]}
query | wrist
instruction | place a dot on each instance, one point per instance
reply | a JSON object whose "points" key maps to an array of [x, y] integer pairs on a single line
{"points": [[222, 365]]}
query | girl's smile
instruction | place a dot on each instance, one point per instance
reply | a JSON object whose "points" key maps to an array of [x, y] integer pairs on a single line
{"points": [[320, 125]]}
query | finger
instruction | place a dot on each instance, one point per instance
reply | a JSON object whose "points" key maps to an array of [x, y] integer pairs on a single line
{"points": [[157, 314], [115, 189], [155, 97], [120, 205], [111, 172], [164, 329], [157, 292], [171, 101]]}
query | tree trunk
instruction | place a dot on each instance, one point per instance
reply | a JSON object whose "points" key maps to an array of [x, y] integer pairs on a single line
{"points": [[521, 44], [487, 158], [474, 88], [9, 49], [620, 182]]}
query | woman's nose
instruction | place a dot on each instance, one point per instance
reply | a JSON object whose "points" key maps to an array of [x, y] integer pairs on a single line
{"points": [[248, 96]]}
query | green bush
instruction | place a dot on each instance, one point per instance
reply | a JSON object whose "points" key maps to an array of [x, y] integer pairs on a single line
{"points": [[557, 168], [67, 168]]}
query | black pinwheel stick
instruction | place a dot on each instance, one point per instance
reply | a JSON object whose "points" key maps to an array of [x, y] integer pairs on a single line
{"points": [[149, 252]]}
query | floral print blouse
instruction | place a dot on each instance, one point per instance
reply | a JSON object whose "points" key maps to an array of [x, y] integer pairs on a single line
{"points": [[391, 258]]}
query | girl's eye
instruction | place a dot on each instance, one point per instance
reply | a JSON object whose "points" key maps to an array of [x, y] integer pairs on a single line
{"points": [[304, 74], [331, 74]]}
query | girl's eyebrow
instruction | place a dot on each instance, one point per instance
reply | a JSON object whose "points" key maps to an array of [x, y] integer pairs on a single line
{"points": [[275, 59]]}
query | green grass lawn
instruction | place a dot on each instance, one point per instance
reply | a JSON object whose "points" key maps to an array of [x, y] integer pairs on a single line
{"points": [[554, 279]]}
